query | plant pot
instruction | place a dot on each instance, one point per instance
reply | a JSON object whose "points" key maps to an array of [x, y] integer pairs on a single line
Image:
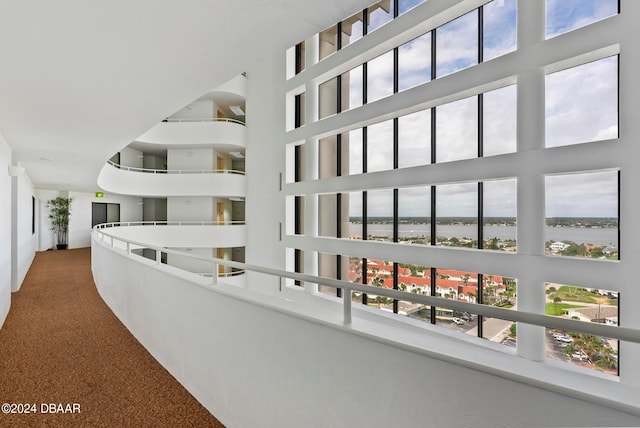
{"points": [[61, 246]]}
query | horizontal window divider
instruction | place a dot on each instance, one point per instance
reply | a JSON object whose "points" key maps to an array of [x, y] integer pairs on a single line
{"points": [[585, 272], [593, 156], [615, 332]]}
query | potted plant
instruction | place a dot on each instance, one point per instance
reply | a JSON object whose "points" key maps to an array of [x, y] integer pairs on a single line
{"points": [[59, 212]]}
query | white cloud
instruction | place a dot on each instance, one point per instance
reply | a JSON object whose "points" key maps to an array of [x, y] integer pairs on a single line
{"points": [[414, 139], [592, 194], [582, 103], [567, 15], [457, 130], [457, 44], [457, 200]]}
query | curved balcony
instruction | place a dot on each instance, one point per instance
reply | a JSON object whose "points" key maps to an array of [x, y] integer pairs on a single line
{"points": [[162, 183], [197, 131], [180, 234]]}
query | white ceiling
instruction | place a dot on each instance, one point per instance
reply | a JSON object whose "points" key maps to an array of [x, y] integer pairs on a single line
{"points": [[81, 79]]}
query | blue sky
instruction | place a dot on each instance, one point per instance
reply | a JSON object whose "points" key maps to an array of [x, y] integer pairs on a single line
{"points": [[567, 15], [581, 106]]}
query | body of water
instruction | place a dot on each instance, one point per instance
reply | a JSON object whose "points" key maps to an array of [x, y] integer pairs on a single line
{"points": [[580, 235]]}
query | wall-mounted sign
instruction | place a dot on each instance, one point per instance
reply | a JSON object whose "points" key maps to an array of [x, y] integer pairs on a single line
{"points": [[99, 195]]}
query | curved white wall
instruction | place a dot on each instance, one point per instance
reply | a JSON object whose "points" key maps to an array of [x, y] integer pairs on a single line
{"points": [[196, 133], [253, 365], [189, 236], [237, 85], [121, 181]]}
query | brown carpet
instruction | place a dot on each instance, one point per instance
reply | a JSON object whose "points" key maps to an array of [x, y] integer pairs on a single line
{"points": [[61, 344]]}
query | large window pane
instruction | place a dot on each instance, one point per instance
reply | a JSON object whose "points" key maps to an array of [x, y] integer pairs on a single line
{"points": [[352, 88], [379, 14], [355, 215], [351, 29], [457, 130], [414, 139], [501, 292], [588, 305], [414, 62], [380, 215], [328, 159], [582, 103], [380, 274], [457, 44], [582, 215], [567, 15], [354, 144], [356, 275], [380, 77], [456, 285], [499, 34], [457, 215], [414, 215], [328, 42], [499, 113], [327, 98], [405, 5], [499, 215], [380, 146], [414, 279]]}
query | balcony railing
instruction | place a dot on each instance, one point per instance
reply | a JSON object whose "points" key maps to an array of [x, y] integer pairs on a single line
{"points": [[175, 171], [602, 330], [169, 223], [203, 119]]}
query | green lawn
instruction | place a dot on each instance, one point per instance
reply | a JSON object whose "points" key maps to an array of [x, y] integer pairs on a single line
{"points": [[575, 294], [556, 309]]}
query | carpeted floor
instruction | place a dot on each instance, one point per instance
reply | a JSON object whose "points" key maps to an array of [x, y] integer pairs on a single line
{"points": [[61, 344]]}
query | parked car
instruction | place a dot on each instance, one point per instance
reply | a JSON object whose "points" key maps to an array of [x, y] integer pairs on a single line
{"points": [[457, 320]]}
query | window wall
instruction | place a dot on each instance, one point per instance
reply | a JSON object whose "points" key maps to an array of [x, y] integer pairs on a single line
{"points": [[453, 169]]}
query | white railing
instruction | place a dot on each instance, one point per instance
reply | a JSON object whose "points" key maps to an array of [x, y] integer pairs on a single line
{"points": [[169, 223], [603, 330], [204, 119], [175, 171]]}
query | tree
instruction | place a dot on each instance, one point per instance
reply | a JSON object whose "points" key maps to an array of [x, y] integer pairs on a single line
{"points": [[59, 213]]}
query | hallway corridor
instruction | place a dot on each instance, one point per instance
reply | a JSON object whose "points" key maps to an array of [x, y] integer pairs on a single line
{"points": [[61, 344]]}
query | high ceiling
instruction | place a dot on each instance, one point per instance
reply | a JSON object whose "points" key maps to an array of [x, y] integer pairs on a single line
{"points": [[79, 80]]}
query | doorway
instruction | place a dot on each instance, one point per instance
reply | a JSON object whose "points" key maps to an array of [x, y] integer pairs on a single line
{"points": [[220, 212], [102, 212]]}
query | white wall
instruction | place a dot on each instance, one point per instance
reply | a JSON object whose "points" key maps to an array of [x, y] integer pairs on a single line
{"points": [[190, 133], [196, 110], [265, 160], [190, 208], [253, 366], [120, 181], [5, 230], [191, 159], [24, 239], [46, 238], [80, 220]]}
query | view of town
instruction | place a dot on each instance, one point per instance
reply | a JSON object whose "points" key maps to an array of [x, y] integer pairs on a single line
{"points": [[589, 305], [576, 237]]}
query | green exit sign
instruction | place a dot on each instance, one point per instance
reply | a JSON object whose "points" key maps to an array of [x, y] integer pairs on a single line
{"points": [[99, 195]]}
